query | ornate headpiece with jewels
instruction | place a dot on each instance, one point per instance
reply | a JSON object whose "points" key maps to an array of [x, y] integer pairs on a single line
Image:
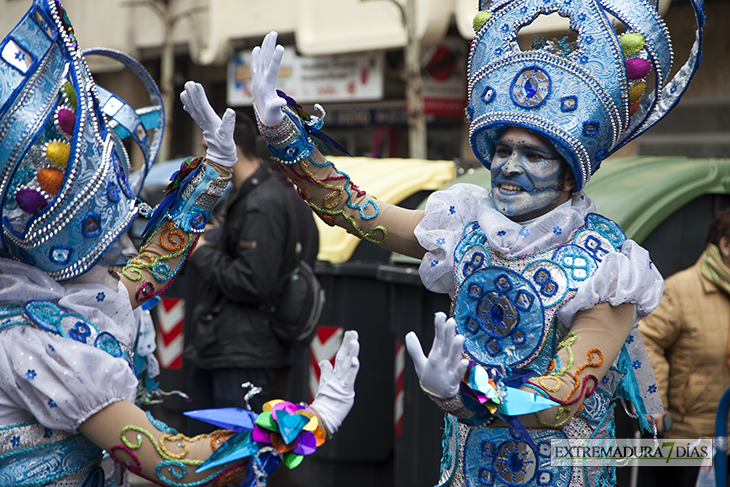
{"points": [[67, 190], [588, 97]]}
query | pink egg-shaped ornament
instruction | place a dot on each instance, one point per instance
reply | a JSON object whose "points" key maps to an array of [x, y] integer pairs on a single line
{"points": [[637, 68], [30, 200], [66, 120]]}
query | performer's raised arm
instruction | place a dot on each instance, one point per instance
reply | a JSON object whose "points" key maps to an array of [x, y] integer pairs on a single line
{"points": [[292, 137]]}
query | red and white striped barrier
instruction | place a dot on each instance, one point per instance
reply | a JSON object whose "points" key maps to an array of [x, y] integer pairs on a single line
{"points": [[324, 346], [170, 337]]}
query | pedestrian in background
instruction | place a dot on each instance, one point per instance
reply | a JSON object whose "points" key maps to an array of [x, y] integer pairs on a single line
{"points": [[250, 246], [686, 338]]}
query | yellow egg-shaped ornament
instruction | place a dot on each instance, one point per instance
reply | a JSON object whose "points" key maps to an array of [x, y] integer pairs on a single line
{"points": [[636, 91], [58, 153]]}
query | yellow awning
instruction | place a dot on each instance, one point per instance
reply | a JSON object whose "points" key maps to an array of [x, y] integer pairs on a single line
{"points": [[389, 180]]}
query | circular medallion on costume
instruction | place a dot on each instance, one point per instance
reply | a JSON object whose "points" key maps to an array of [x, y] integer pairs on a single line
{"points": [[594, 243], [515, 462], [530, 88], [497, 309], [576, 262], [607, 228], [499, 456], [549, 279]]}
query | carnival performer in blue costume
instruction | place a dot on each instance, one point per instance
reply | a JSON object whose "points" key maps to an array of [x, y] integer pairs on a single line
{"points": [[71, 303], [546, 291]]}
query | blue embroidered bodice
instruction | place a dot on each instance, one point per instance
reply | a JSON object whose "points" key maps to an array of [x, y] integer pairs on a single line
{"points": [[506, 308]]}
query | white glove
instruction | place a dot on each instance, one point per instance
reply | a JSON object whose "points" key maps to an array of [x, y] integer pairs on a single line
{"points": [[217, 132], [265, 62], [442, 371], [336, 390]]}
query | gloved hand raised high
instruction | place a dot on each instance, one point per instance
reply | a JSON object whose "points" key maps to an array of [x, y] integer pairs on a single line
{"points": [[441, 372], [265, 63], [217, 132], [336, 390]]}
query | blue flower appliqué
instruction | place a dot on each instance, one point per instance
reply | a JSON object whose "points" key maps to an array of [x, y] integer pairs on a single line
{"points": [[15, 440], [605, 379], [557, 230], [47, 432], [30, 375], [652, 389], [52, 404], [630, 339], [100, 297], [501, 233], [441, 241], [524, 232], [636, 364], [452, 210], [434, 263]]}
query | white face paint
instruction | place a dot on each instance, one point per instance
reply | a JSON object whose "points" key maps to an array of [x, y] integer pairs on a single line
{"points": [[528, 175]]}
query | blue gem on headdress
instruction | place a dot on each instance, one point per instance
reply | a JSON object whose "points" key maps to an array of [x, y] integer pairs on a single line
{"points": [[591, 127], [488, 95], [112, 192], [90, 226], [568, 103], [588, 39], [530, 88], [470, 111], [60, 254]]}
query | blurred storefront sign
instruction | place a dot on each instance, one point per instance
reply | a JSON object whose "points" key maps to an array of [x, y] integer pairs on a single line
{"points": [[444, 78], [351, 77]]}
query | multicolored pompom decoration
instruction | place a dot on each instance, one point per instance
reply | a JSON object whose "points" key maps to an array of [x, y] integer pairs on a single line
{"points": [[637, 67], [292, 429]]}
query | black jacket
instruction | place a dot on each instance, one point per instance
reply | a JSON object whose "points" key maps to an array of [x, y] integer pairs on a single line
{"points": [[241, 275]]}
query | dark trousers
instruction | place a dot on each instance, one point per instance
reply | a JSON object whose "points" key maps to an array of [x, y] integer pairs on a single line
{"points": [[221, 388]]}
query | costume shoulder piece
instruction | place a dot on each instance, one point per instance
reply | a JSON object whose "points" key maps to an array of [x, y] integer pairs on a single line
{"points": [[67, 191], [589, 97]]}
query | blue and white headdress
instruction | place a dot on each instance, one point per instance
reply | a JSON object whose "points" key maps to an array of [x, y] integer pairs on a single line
{"points": [[67, 190], [588, 97]]}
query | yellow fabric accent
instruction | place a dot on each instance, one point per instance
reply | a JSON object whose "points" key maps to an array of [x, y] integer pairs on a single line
{"points": [[635, 92]]}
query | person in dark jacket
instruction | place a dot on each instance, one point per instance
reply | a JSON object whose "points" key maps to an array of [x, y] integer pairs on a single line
{"points": [[241, 261]]}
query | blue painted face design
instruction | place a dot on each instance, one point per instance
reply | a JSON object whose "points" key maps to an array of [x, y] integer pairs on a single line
{"points": [[528, 175]]}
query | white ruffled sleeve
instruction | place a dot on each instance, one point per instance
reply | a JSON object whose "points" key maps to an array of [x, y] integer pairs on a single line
{"points": [[61, 382], [447, 213], [628, 276]]}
